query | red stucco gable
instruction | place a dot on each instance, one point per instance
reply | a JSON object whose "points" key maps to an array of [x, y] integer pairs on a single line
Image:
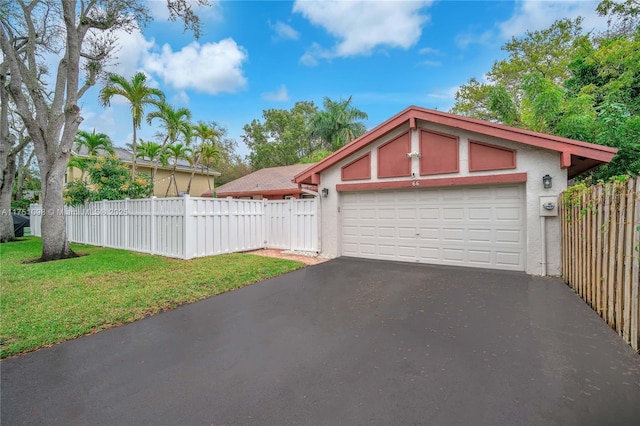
{"points": [[575, 155]]}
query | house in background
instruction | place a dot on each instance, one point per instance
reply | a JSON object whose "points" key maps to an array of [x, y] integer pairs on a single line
{"points": [[273, 183], [203, 178], [431, 187]]}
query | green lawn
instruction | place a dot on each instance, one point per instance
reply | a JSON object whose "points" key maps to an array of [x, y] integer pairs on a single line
{"points": [[46, 303]]}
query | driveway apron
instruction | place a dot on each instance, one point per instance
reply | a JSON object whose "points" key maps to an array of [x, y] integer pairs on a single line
{"points": [[348, 341]]}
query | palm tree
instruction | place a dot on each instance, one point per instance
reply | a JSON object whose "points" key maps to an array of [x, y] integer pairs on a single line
{"points": [[79, 163], [175, 122], [176, 152], [338, 124], [151, 151], [206, 150], [209, 155], [94, 142], [138, 94]]}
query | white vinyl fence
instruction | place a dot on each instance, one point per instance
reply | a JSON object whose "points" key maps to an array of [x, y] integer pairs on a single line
{"points": [[188, 227]]}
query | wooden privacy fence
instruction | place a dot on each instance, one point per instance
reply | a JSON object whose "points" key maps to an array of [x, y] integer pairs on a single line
{"points": [[188, 227], [600, 247]]}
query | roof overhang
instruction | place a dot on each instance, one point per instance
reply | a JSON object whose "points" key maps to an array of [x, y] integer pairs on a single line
{"points": [[576, 156], [271, 192]]}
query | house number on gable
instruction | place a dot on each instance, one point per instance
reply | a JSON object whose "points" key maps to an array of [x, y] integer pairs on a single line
{"points": [[415, 183]]}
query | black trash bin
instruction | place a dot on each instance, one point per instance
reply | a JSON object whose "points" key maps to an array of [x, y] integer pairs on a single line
{"points": [[19, 223]]}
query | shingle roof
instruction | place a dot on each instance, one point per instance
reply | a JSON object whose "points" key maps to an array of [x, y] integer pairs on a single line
{"points": [[269, 179], [126, 156]]}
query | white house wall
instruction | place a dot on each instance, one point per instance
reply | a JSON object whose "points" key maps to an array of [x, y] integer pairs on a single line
{"points": [[536, 162]]}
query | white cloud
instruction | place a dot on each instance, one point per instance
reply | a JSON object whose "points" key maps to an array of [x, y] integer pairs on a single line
{"points": [[428, 51], [210, 68], [361, 26], [284, 31], [533, 15], [446, 94], [465, 39], [132, 48], [315, 52], [428, 63], [279, 95], [180, 98]]}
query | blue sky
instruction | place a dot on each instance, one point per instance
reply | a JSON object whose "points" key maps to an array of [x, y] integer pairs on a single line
{"points": [[256, 55]]}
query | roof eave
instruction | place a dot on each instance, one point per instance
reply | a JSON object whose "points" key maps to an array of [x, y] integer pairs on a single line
{"points": [[568, 148]]}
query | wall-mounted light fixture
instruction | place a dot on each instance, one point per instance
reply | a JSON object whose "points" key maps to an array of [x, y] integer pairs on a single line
{"points": [[325, 192], [547, 181], [414, 154]]}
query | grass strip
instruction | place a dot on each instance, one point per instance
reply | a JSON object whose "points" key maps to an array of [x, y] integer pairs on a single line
{"points": [[42, 304]]}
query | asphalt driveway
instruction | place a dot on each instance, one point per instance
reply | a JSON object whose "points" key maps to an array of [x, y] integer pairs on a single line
{"points": [[344, 342]]}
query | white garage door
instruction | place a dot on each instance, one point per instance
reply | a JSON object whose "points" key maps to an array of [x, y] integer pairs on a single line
{"points": [[466, 226]]}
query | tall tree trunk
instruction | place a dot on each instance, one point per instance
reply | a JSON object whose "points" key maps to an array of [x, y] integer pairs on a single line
{"points": [[134, 149], [55, 244], [7, 166]]}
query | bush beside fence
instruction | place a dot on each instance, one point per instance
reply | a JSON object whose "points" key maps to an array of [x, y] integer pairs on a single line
{"points": [[188, 227], [600, 252]]}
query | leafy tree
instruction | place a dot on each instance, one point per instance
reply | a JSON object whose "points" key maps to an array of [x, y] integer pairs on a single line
{"points": [[590, 93], [81, 34], [138, 94], [338, 124], [230, 165], [316, 156], [94, 142], [109, 179], [547, 53], [624, 16], [282, 138]]}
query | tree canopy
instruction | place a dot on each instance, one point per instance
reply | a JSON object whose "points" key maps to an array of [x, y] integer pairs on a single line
{"points": [[282, 138], [303, 133], [562, 82]]}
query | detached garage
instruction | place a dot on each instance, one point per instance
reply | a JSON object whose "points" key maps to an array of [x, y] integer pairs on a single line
{"points": [[432, 187]]}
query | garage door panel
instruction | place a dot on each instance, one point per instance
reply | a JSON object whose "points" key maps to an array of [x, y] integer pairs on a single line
{"points": [[482, 257], [480, 213], [407, 252], [472, 226], [453, 234], [429, 214], [452, 255], [508, 193], [509, 236], [454, 194], [426, 253], [479, 236], [429, 234], [406, 213], [407, 233], [508, 259], [450, 214], [508, 213]]}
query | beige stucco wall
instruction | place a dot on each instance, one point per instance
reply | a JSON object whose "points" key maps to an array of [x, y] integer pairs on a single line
{"points": [[199, 184], [536, 162]]}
